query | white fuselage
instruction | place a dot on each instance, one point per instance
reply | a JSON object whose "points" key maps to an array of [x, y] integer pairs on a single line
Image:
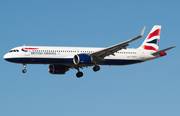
{"points": [[64, 55]]}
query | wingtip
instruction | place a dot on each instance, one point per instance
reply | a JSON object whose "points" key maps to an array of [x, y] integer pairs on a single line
{"points": [[142, 32]]}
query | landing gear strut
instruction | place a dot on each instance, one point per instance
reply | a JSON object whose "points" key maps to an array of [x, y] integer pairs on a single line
{"points": [[24, 70], [79, 73], [96, 68]]}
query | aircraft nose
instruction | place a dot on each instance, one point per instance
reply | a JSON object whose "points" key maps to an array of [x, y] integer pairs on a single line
{"points": [[10, 58], [6, 56]]}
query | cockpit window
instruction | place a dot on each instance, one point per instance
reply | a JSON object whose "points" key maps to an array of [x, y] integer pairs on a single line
{"points": [[14, 50]]}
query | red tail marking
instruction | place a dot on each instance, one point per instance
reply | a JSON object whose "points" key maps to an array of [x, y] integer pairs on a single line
{"points": [[150, 48], [155, 33]]}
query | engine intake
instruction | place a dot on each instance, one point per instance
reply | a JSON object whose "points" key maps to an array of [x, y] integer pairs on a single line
{"points": [[57, 69], [82, 59]]}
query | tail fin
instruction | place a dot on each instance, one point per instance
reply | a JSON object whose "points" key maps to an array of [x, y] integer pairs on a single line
{"points": [[152, 40]]}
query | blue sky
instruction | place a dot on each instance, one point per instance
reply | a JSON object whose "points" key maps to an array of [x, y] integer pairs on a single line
{"points": [[149, 88]]}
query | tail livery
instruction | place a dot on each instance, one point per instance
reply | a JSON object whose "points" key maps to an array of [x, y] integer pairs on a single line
{"points": [[152, 40]]}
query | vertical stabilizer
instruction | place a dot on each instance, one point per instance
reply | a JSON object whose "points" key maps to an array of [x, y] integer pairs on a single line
{"points": [[152, 40]]}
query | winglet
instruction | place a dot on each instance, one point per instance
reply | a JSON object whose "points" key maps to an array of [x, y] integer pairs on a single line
{"points": [[139, 36], [142, 32]]}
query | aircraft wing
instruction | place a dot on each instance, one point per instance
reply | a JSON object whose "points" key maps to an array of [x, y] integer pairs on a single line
{"points": [[99, 55]]}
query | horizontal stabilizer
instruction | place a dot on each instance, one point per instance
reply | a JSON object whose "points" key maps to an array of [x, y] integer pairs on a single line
{"points": [[159, 52]]}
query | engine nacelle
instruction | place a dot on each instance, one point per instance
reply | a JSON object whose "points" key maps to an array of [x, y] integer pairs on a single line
{"points": [[82, 59], [57, 69]]}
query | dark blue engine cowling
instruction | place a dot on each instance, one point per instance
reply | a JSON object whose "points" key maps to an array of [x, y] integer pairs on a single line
{"points": [[57, 69], [82, 59]]}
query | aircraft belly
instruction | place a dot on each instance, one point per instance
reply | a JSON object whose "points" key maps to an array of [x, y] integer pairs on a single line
{"points": [[120, 62], [42, 60]]}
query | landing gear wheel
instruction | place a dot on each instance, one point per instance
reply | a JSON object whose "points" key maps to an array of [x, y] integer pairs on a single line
{"points": [[79, 74], [24, 70], [96, 68]]}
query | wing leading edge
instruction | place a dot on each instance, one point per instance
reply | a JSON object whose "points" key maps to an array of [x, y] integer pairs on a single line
{"points": [[99, 55]]}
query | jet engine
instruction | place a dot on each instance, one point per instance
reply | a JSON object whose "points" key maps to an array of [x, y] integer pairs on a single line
{"points": [[82, 59], [57, 69]]}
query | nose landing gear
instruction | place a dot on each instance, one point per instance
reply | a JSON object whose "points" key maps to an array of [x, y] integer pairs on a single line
{"points": [[24, 70]]}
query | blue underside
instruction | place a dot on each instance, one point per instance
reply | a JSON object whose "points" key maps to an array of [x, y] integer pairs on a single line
{"points": [[68, 61]]}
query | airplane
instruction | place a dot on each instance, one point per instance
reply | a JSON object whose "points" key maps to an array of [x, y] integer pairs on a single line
{"points": [[61, 59]]}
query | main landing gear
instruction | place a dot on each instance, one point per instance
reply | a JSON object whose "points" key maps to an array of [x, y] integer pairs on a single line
{"points": [[96, 68], [24, 70], [80, 74]]}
